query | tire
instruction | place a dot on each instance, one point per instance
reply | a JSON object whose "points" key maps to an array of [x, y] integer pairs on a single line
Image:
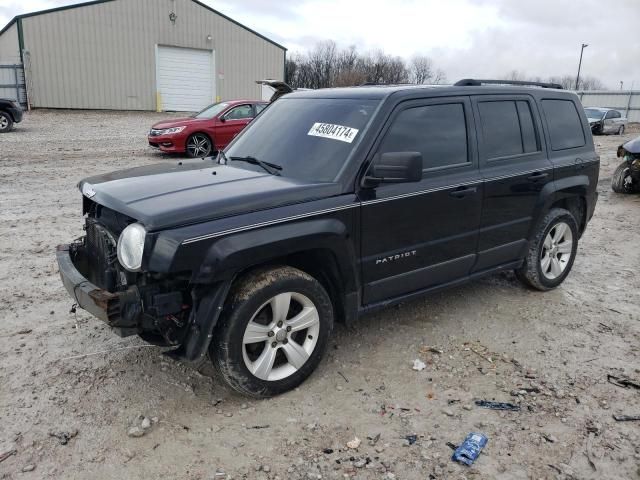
{"points": [[198, 145], [619, 182], [551, 252], [267, 306], [6, 122], [621, 130]]}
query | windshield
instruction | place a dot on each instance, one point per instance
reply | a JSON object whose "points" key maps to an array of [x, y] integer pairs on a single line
{"points": [[211, 111], [593, 113], [310, 138]]}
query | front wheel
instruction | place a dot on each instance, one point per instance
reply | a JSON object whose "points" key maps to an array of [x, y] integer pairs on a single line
{"points": [[551, 252], [273, 332], [621, 130], [622, 181], [198, 145], [6, 122]]}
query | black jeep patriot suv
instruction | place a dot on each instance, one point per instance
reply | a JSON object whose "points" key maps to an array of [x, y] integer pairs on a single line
{"points": [[330, 204]]}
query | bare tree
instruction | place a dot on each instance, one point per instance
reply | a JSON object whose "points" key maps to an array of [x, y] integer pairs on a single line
{"points": [[440, 77], [591, 83], [421, 69], [327, 66]]}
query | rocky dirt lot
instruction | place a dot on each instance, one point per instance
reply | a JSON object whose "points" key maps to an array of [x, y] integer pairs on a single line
{"points": [[77, 401]]}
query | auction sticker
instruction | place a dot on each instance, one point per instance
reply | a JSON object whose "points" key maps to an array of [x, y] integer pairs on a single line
{"points": [[335, 132]]}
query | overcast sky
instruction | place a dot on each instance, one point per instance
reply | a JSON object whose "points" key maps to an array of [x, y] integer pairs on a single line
{"points": [[466, 38]]}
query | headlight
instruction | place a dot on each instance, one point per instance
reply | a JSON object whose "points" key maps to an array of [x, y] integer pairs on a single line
{"points": [[173, 130], [130, 247]]}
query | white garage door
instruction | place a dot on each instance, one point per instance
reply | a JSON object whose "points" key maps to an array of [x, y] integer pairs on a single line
{"points": [[185, 79]]}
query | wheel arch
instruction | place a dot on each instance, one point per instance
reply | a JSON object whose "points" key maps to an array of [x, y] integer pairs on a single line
{"points": [[569, 193], [320, 248]]}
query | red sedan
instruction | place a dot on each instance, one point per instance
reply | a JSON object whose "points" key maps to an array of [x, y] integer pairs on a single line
{"points": [[208, 131]]}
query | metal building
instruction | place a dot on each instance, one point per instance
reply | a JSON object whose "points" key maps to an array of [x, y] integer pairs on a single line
{"points": [[138, 55]]}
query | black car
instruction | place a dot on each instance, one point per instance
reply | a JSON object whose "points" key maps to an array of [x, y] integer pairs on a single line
{"points": [[10, 113], [331, 204]]}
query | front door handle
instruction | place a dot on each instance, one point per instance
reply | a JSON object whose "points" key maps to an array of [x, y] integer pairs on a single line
{"points": [[534, 177], [463, 191]]}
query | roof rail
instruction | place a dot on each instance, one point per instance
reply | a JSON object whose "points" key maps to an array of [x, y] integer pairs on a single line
{"points": [[472, 82]]}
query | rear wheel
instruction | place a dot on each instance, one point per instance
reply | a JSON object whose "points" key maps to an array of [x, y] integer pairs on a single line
{"points": [[551, 252], [198, 145], [273, 332], [6, 122]]}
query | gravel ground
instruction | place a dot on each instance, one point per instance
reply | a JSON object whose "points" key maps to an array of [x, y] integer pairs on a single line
{"points": [[73, 395]]}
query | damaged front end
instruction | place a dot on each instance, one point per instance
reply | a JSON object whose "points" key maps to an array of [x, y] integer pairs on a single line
{"points": [[154, 306]]}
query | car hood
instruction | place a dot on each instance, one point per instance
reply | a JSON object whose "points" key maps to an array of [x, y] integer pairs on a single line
{"points": [[176, 122], [632, 146], [169, 195]]}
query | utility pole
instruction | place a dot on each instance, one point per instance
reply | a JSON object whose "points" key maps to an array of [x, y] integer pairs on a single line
{"points": [[584, 45]]}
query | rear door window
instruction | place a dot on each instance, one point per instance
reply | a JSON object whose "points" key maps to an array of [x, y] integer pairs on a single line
{"points": [[507, 128], [438, 132], [565, 126]]}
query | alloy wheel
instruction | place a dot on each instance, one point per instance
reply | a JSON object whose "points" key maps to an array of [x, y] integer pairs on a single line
{"points": [[281, 336], [556, 251], [4, 122], [198, 146]]}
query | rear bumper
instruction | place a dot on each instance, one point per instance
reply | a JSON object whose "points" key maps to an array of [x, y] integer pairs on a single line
{"points": [[120, 310]]}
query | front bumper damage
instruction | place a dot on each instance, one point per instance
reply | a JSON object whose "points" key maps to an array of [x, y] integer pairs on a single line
{"points": [[120, 310], [144, 311]]}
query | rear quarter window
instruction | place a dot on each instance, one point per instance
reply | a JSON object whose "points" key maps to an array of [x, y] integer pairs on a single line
{"points": [[565, 125]]}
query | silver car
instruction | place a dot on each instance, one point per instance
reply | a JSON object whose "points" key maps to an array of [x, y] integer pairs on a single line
{"points": [[605, 120]]}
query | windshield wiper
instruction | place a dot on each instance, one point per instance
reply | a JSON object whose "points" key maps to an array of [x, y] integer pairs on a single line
{"points": [[269, 167]]}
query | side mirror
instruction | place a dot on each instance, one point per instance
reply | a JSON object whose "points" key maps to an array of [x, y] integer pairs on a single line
{"points": [[223, 119], [395, 167]]}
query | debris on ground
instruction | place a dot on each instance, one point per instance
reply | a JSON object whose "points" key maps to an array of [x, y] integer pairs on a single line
{"points": [[498, 405], [7, 454], [588, 450], [136, 431], [373, 440], [626, 418], [411, 439], [470, 449], [418, 365], [29, 468], [623, 382], [431, 349], [354, 444], [63, 436]]}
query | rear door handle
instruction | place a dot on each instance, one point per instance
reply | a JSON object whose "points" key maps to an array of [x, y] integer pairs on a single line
{"points": [[463, 191], [534, 177]]}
